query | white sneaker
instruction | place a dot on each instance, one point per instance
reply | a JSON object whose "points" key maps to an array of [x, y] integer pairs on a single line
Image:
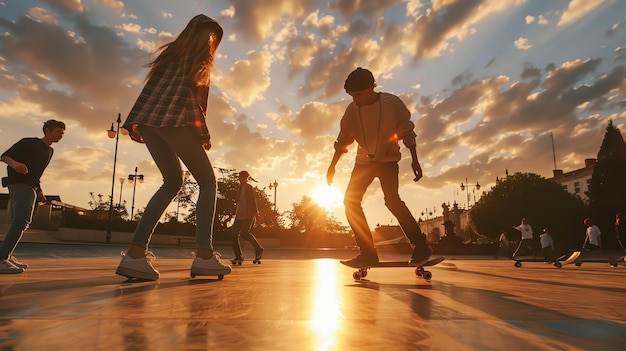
{"points": [[15, 262], [6, 267], [209, 266], [138, 268]]}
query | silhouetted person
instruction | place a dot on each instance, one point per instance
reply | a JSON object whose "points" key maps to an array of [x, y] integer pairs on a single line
{"points": [[593, 236], [246, 213], [526, 241], [376, 121], [547, 245]]}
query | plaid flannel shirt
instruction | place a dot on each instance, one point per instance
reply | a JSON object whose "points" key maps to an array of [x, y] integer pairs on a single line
{"points": [[170, 98]]}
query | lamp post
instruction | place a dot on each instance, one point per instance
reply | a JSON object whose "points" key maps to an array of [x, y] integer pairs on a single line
{"points": [[113, 133], [463, 186], [186, 175], [274, 186], [132, 179], [498, 180], [119, 204], [428, 213]]}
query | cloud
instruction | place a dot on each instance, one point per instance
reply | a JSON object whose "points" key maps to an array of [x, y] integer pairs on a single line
{"points": [[577, 9], [74, 6], [522, 44], [247, 79], [85, 70]]}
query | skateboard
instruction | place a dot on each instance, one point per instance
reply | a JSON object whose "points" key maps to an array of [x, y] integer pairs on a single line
{"points": [[239, 261], [598, 257], [194, 274], [519, 259], [419, 270]]}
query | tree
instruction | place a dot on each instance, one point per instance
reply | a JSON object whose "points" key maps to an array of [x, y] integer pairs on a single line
{"points": [[309, 217], [544, 203], [607, 188]]}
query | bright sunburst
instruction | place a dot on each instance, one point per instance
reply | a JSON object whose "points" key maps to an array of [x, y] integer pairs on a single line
{"points": [[327, 197]]}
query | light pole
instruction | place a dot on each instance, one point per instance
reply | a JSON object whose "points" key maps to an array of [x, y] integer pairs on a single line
{"points": [[498, 180], [463, 186], [274, 186], [428, 213], [132, 179], [119, 204], [186, 175], [113, 133]]}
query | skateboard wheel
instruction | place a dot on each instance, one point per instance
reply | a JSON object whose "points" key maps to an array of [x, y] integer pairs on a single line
{"points": [[558, 264], [578, 264], [427, 275], [193, 275], [518, 264], [220, 277], [356, 276], [363, 274], [418, 271]]}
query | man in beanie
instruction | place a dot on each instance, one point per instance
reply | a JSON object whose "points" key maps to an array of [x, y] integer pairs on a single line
{"points": [[376, 121]]}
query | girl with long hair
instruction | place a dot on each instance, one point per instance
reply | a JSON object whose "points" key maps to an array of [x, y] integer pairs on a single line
{"points": [[169, 117]]}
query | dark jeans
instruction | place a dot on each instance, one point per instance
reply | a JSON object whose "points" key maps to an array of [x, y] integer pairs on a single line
{"points": [[360, 179], [242, 227], [22, 198]]}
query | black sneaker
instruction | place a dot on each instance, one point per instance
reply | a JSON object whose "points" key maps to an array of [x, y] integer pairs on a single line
{"points": [[362, 260], [421, 255]]}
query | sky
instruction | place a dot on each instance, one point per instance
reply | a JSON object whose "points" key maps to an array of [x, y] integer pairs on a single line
{"points": [[491, 85]]}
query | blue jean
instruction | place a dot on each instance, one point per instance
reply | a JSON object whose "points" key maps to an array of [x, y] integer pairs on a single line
{"points": [[168, 146], [360, 179], [23, 198]]}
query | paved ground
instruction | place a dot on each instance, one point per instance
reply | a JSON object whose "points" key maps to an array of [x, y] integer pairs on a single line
{"points": [[70, 299]]}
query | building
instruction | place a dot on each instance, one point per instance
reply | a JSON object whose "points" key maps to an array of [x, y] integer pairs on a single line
{"points": [[47, 216], [577, 181]]}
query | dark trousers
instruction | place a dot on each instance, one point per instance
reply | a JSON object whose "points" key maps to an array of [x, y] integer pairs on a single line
{"points": [[242, 227], [527, 245], [361, 178], [548, 253]]}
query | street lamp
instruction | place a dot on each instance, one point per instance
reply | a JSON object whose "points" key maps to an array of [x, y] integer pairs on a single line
{"points": [[113, 133], [428, 213], [119, 204], [498, 180], [186, 175], [274, 186], [132, 180], [463, 186]]}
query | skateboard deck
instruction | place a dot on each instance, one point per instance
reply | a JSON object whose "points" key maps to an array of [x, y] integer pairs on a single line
{"points": [[613, 259], [519, 259], [419, 269]]}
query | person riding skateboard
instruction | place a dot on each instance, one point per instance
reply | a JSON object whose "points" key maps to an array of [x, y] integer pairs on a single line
{"points": [[376, 121]]}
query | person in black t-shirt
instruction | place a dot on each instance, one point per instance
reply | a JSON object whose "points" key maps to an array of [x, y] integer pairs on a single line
{"points": [[26, 161]]}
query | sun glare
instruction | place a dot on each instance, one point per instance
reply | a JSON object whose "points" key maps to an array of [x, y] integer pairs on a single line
{"points": [[327, 197]]}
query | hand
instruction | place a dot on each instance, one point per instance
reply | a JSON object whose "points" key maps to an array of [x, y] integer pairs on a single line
{"points": [[330, 174], [417, 170], [207, 145], [41, 198], [20, 168]]}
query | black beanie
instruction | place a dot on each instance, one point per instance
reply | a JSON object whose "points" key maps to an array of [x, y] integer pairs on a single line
{"points": [[358, 80]]}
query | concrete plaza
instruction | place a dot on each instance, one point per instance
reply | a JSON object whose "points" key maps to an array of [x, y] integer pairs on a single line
{"points": [[70, 299]]}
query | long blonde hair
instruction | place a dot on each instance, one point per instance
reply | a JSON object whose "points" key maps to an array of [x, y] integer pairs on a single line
{"points": [[199, 40]]}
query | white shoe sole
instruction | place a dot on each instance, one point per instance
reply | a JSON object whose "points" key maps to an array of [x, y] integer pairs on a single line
{"points": [[131, 273]]}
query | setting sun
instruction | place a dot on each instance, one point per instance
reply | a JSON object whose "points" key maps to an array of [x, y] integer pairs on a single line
{"points": [[327, 196]]}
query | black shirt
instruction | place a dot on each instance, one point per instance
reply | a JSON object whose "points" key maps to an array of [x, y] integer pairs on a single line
{"points": [[35, 154]]}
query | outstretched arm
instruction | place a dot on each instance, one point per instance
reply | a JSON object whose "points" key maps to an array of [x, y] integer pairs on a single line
{"points": [[415, 164], [330, 173]]}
